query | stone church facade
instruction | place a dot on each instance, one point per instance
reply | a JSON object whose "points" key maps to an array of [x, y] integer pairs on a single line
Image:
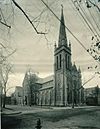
{"points": [[65, 86]]}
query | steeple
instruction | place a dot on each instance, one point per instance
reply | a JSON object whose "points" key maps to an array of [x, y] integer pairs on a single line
{"points": [[62, 31]]}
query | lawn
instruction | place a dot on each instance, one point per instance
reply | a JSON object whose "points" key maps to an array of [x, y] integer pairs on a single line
{"points": [[61, 119]]}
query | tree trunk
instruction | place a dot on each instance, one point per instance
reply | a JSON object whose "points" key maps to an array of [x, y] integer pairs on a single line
{"points": [[4, 100], [1, 102]]}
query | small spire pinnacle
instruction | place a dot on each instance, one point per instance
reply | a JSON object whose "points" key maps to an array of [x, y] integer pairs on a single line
{"points": [[74, 67], [69, 44], [79, 69]]}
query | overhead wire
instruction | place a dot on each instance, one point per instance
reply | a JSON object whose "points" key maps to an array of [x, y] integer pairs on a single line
{"points": [[86, 21], [94, 20], [75, 10], [89, 21], [43, 11], [82, 20]]}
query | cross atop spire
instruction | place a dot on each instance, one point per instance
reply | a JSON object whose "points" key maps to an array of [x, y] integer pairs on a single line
{"points": [[62, 31]]}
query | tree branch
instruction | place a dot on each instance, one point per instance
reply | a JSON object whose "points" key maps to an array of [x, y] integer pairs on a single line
{"points": [[5, 24], [2, 45], [94, 5], [5, 57], [16, 4]]}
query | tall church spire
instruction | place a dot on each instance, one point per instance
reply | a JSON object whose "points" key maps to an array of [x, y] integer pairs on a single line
{"points": [[62, 31]]}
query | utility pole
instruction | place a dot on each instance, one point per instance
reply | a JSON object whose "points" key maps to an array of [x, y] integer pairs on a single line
{"points": [[55, 68], [73, 91], [72, 97], [72, 74], [55, 85]]}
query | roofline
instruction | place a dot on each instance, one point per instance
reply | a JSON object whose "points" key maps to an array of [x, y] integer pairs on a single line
{"points": [[45, 88]]}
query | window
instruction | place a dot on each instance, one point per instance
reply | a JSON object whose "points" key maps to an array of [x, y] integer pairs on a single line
{"points": [[57, 62], [57, 66], [66, 61], [60, 61]]}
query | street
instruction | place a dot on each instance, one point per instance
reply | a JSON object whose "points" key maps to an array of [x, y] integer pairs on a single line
{"points": [[57, 118]]}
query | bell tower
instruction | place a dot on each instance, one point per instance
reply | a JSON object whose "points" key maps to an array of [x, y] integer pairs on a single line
{"points": [[62, 65]]}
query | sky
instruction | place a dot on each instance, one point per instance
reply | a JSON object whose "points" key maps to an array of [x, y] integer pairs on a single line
{"points": [[37, 51]]}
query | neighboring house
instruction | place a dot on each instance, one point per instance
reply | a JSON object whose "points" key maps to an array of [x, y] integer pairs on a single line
{"points": [[91, 92], [92, 95], [65, 86], [17, 96]]}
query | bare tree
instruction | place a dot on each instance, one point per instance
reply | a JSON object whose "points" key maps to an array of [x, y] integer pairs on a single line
{"points": [[30, 84], [32, 78], [5, 70]]}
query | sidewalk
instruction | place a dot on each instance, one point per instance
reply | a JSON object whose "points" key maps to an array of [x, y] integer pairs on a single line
{"points": [[18, 109]]}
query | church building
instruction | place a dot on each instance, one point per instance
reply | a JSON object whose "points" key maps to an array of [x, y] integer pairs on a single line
{"points": [[65, 86]]}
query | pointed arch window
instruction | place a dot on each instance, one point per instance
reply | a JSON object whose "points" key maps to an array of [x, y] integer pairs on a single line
{"points": [[57, 63], [68, 61], [66, 57], [60, 60]]}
